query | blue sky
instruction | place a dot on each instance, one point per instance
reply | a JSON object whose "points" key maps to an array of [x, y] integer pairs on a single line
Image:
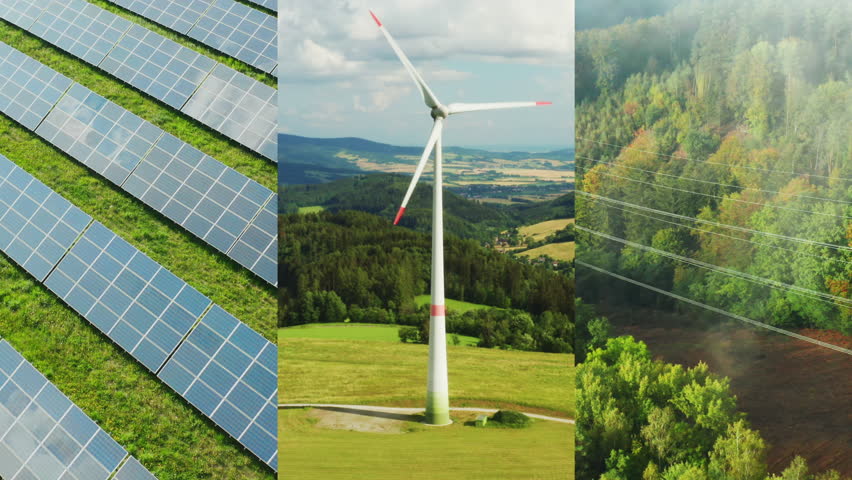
{"points": [[339, 77]]}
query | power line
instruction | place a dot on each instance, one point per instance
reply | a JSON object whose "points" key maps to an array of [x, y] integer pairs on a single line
{"points": [[718, 310], [774, 247], [722, 198], [769, 170], [832, 299], [712, 183], [716, 224]]}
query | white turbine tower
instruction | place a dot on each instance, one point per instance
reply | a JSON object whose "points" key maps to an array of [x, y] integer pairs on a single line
{"points": [[437, 390]]}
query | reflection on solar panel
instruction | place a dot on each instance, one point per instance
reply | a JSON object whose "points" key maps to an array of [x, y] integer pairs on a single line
{"points": [[240, 32], [239, 107], [227, 370], [178, 16], [20, 12], [194, 190], [133, 470], [43, 435], [158, 66], [258, 247], [80, 28], [37, 226], [270, 4], [98, 133], [28, 89], [136, 302]]}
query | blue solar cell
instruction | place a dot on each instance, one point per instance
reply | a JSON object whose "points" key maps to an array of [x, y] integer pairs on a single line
{"points": [[241, 32], [257, 248], [178, 16], [28, 89], [222, 370], [37, 226], [80, 28], [43, 434], [21, 12], [158, 66], [270, 4], [136, 302], [133, 470]]}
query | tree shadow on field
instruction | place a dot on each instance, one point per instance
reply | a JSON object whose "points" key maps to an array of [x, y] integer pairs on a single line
{"points": [[372, 413]]}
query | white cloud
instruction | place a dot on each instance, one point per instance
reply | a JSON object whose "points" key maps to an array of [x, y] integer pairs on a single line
{"points": [[380, 100]]}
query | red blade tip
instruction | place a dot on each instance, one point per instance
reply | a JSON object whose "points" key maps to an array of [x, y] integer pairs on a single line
{"points": [[543, 103], [399, 215], [375, 18]]}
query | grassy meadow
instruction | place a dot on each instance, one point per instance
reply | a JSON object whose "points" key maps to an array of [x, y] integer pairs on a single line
{"points": [[540, 231], [543, 451], [456, 306], [559, 251]]}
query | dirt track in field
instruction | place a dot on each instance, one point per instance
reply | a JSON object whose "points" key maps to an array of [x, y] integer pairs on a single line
{"points": [[797, 394]]}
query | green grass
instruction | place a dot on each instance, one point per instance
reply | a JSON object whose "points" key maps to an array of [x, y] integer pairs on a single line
{"points": [[356, 331], [311, 209], [557, 251], [168, 435], [455, 306], [380, 373], [544, 451], [540, 231]]}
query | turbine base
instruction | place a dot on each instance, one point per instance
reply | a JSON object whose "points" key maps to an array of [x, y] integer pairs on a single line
{"points": [[437, 409]]}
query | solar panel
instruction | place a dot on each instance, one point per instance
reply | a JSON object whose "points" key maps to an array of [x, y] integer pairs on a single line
{"points": [[136, 302], [21, 13], [257, 248], [37, 226], [178, 16], [133, 470], [158, 66], [194, 190], [28, 89], [98, 133], [240, 32], [270, 4], [43, 435], [80, 28], [227, 370], [239, 107]]}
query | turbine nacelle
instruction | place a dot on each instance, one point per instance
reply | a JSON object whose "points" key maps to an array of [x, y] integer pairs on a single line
{"points": [[440, 111]]}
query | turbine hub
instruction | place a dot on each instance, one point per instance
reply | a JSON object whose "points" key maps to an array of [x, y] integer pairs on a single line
{"points": [[439, 112]]}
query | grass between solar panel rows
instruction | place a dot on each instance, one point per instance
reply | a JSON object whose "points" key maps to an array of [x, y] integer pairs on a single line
{"points": [[167, 434]]}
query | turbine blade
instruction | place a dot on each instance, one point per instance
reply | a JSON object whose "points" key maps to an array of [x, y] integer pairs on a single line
{"points": [[473, 107], [428, 97], [433, 139]]}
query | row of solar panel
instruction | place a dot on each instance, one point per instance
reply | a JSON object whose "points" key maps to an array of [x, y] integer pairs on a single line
{"points": [[44, 436], [226, 209], [228, 26], [224, 368], [216, 95]]}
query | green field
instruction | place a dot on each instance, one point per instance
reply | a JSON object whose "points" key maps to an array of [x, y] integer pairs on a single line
{"points": [[169, 436], [311, 209], [540, 231], [356, 331], [557, 251], [541, 452], [455, 306], [364, 372]]}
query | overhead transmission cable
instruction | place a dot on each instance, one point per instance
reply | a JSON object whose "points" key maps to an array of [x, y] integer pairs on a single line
{"points": [[718, 310]]}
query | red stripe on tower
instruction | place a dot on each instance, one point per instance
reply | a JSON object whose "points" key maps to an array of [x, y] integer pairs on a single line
{"points": [[543, 103], [398, 215], [375, 18], [439, 310]]}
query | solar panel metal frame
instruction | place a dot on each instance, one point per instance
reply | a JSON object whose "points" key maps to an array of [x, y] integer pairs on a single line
{"points": [[133, 300], [241, 32], [239, 107], [28, 89], [80, 28], [37, 226], [98, 133], [212, 201], [36, 417], [257, 248], [228, 371], [269, 4], [133, 470], [158, 66]]}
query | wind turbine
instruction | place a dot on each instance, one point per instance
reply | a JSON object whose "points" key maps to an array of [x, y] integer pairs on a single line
{"points": [[437, 388]]}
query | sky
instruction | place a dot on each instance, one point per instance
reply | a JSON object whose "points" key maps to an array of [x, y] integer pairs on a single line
{"points": [[339, 77]]}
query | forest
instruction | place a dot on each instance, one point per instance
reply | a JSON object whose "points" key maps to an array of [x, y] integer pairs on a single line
{"points": [[640, 418], [357, 266], [714, 157]]}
